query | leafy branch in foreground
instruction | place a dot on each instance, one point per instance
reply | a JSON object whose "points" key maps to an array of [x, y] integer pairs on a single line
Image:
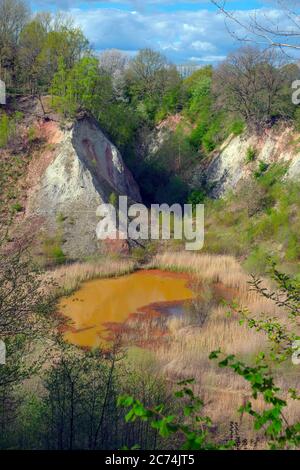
{"points": [[278, 431], [281, 331], [188, 425], [272, 420]]}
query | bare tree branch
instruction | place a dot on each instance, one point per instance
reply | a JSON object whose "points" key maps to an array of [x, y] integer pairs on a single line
{"points": [[257, 32]]}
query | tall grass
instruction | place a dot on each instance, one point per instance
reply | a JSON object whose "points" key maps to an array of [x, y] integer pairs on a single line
{"points": [[184, 350], [186, 353], [68, 278]]}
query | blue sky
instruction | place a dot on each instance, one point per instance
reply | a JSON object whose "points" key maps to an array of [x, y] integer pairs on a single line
{"points": [[185, 31]]}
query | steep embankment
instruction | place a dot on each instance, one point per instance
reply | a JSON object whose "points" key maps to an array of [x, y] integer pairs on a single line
{"points": [[233, 163], [252, 183], [73, 168], [239, 157], [81, 170]]}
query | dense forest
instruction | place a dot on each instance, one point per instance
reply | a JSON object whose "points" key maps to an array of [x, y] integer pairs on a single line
{"points": [[49, 55], [54, 395]]}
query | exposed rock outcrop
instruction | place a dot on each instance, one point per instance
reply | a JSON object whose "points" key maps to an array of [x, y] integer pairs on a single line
{"points": [[78, 171], [228, 167]]}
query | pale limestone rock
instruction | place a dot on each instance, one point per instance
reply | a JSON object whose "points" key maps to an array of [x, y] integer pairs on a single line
{"points": [[228, 167], [86, 168]]}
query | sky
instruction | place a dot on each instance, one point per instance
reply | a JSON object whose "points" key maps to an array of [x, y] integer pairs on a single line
{"points": [[186, 32]]}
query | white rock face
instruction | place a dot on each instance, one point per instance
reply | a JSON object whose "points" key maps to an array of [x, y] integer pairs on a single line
{"points": [[228, 167], [85, 170]]}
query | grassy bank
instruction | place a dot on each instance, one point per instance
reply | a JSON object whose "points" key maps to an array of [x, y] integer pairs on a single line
{"points": [[258, 221]]}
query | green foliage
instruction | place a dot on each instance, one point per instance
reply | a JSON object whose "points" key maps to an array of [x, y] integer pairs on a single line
{"points": [[297, 119], [257, 261], [144, 254], [262, 217], [113, 199], [270, 175], [32, 135], [8, 127], [60, 218], [153, 86], [53, 251], [209, 139], [250, 154], [208, 131], [196, 197], [271, 420], [17, 207], [201, 100], [82, 86], [188, 425], [197, 135], [4, 130], [237, 127], [173, 101], [262, 168], [86, 87], [58, 255], [292, 252], [280, 334]]}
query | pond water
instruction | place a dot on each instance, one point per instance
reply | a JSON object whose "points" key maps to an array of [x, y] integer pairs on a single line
{"points": [[102, 305]]}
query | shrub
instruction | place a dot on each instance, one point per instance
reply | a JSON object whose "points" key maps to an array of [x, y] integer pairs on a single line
{"points": [[250, 155], [258, 261], [197, 135], [297, 119], [8, 127], [196, 197], [17, 207], [262, 168], [53, 251], [237, 127], [293, 248], [32, 134], [113, 200], [58, 255], [4, 130], [274, 174], [209, 143]]}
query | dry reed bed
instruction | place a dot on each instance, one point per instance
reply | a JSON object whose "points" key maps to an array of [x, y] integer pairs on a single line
{"points": [[217, 269], [68, 278], [186, 354]]}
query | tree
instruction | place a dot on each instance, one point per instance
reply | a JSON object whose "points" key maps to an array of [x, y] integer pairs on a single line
{"points": [[68, 45], [147, 71], [250, 84], [264, 31], [189, 426], [14, 14], [83, 86], [25, 323], [113, 61], [32, 42], [149, 78]]}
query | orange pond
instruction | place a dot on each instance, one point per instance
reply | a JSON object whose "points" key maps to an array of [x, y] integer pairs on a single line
{"points": [[100, 305]]}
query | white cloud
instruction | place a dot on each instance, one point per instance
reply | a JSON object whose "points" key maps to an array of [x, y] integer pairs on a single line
{"points": [[182, 35], [178, 34]]}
